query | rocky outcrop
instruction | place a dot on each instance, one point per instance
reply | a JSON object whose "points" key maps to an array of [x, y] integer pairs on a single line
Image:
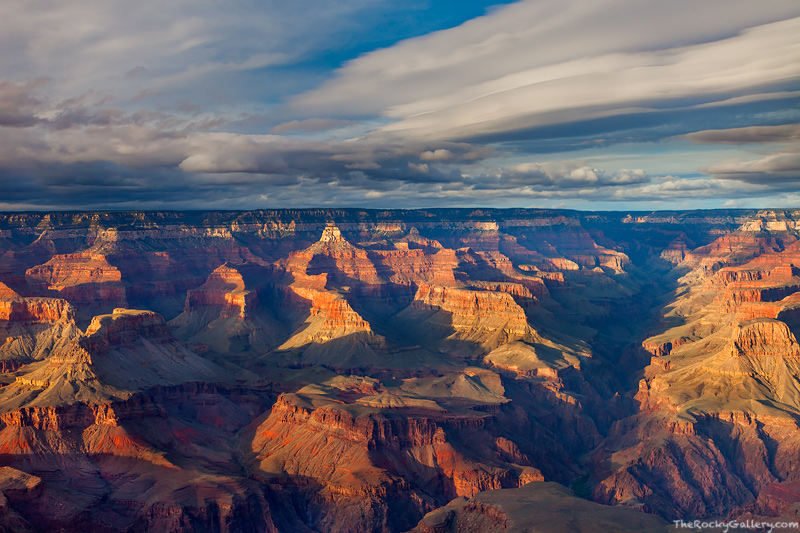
{"points": [[32, 310], [777, 503], [225, 289], [17, 489], [32, 328], [662, 348], [82, 278], [123, 327], [333, 315], [373, 458], [676, 252], [720, 392], [764, 338], [6, 293], [407, 269], [475, 317], [73, 269], [537, 506], [341, 261], [472, 304]]}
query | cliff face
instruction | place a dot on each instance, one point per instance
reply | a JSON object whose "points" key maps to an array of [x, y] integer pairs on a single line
{"points": [[123, 327], [350, 370], [396, 467], [73, 269], [226, 314], [81, 278], [33, 310], [32, 328], [485, 318], [721, 389]]}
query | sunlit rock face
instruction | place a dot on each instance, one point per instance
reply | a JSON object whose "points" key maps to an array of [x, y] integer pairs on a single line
{"points": [[347, 370]]}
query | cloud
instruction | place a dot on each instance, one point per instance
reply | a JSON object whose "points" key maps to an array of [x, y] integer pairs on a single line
{"points": [[18, 105], [436, 155], [168, 105], [421, 168], [560, 175], [166, 54], [311, 124], [747, 135], [779, 169], [545, 62]]}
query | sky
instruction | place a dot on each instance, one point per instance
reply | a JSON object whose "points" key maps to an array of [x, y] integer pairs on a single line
{"points": [[250, 104]]}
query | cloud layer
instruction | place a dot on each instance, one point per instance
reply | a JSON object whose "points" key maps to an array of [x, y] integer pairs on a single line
{"points": [[541, 102]]}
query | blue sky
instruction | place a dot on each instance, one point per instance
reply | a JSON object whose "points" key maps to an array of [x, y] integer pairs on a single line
{"points": [[587, 104]]}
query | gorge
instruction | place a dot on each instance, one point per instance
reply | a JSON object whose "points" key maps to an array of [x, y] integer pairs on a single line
{"points": [[383, 371]]}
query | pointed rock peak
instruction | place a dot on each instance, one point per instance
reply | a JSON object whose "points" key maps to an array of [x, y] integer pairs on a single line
{"points": [[225, 277], [227, 268], [7, 293], [331, 234]]}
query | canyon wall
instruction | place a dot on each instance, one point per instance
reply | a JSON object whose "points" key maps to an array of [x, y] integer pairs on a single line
{"points": [[383, 371]]}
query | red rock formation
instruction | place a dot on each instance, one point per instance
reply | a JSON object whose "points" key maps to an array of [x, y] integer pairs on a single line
{"points": [[73, 269], [225, 288], [722, 391], [676, 252], [124, 326], [410, 268], [341, 261], [518, 291], [764, 337], [486, 311], [372, 459], [330, 307], [471, 304], [776, 502], [82, 278], [548, 300], [37, 310], [663, 348], [6, 293], [31, 328]]}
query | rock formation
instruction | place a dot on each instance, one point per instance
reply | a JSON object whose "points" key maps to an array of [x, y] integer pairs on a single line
{"points": [[430, 370]]}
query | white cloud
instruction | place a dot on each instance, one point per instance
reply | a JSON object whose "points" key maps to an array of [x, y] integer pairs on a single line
{"points": [[547, 61], [421, 168], [436, 155], [176, 49]]}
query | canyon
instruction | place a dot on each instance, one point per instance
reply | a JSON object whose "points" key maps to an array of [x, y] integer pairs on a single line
{"points": [[383, 371]]}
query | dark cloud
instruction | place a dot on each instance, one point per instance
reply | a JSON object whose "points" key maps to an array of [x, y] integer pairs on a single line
{"points": [[779, 170], [748, 135], [653, 125], [18, 106]]}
